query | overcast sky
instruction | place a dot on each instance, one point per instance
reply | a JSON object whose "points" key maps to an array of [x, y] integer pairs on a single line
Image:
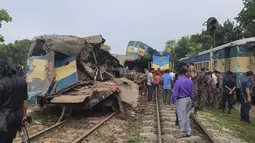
{"points": [[150, 21]]}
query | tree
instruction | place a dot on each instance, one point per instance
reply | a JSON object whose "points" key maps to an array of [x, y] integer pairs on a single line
{"points": [[105, 47], [194, 49], [16, 52], [246, 18], [4, 16], [170, 46]]}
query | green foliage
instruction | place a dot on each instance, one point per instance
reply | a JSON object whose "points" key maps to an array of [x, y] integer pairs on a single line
{"points": [[225, 33], [16, 52], [246, 18], [105, 47], [232, 122], [4, 16]]}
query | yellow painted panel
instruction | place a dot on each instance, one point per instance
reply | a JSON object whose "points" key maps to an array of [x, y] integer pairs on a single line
{"points": [[162, 67], [39, 70], [64, 71], [141, 51], [240, 64], [132, 49]]}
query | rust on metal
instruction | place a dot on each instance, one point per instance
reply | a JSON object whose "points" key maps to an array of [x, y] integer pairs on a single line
{"points": [[94, 128]]}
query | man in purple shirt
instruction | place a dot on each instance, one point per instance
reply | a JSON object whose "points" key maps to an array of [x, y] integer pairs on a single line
{"points": [[183, 97]]}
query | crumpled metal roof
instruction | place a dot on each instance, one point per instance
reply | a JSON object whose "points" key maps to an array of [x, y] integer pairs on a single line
{"points": [[65, 44], [123, 58]]}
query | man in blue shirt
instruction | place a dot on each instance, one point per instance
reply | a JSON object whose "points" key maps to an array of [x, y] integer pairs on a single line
{"points": [[246, 97], [183, 97], [167, 79]]}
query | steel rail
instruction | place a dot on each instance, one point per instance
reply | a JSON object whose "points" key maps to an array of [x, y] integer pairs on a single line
{"points": [[35, 136], [94, 128], [158, 118], [202, 128]]}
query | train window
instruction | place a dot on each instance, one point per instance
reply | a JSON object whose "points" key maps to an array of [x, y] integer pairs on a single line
{"points": [[214, 65], [207, 65], [229, 64]]}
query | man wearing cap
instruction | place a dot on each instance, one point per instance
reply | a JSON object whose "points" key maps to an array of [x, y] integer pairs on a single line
{"points": [[246, 97], [13, 102]]}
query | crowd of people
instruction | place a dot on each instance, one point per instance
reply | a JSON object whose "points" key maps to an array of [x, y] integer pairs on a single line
{"points": [[188, 88]]}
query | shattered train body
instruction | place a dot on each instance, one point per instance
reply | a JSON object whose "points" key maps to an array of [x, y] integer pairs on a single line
{"points": [[75, 72]]}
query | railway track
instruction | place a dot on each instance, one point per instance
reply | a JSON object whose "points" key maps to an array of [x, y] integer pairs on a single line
{"points": [[159, 126], [70, 130]]}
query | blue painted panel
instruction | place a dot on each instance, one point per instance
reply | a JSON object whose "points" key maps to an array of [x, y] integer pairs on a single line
{"points": [[161, 60], [63, 61], [67, 81]]}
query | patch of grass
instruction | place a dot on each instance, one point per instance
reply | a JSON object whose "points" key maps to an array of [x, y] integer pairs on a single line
{"points": [[134, 131], [133, 140], [232, 122]]}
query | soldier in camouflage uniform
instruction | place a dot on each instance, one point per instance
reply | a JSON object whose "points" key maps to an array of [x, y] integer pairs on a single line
{"points": [[201, 86], [210, 90], [220, 90], [194, 75]]}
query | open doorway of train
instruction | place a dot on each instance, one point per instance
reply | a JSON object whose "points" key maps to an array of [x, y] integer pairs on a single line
{"points": [[251, 49]]}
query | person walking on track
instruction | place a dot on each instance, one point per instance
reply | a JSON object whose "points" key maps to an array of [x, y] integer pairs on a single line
{"points": [[228, 91], [150, 85], [183, 97], [157, 80], [246, 97], [167, 79]]}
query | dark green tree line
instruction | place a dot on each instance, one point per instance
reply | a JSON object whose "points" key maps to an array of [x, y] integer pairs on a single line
{"points": [[226, 32], [15, 52]]}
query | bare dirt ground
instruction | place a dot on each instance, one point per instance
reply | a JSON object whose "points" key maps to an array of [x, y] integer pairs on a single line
{"points": [[42, 119], [118, 129]]}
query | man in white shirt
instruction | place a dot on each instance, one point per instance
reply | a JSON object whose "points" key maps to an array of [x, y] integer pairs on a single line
{"points": [[172, 74], [150, 85], [214, 77]]}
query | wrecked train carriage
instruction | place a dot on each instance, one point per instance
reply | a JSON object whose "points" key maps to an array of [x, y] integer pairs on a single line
{"points": [[63, 71]]}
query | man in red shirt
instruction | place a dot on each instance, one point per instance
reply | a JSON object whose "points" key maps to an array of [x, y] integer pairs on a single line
{"points": [[157, 80]]}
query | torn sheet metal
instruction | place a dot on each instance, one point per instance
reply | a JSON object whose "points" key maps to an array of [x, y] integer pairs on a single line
{"points": [[39, 75], [129, 91], [123, 58], [69, 99], [66, 72], [65, 44]]}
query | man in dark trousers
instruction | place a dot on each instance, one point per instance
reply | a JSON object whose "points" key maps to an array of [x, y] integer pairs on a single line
{"points": [[229, 86], [183, 97], [246, 97], [13, 102]]}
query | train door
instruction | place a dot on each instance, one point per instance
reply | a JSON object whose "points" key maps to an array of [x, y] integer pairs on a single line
{"points": [[227, 59], [250, 46]]}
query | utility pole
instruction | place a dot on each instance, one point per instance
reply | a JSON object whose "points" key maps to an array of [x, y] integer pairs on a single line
{"points": [[212, 24]]}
